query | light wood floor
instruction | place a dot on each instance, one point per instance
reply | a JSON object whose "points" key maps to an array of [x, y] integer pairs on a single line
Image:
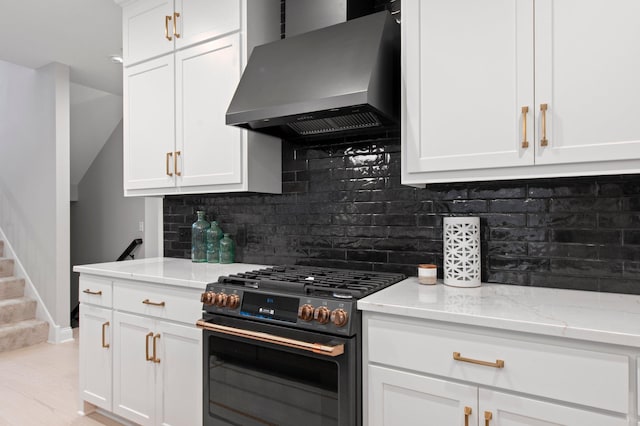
{"points": [[39, 386]]}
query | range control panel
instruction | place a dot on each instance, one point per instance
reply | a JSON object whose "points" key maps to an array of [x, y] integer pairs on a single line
{"points": [[299, 311]]}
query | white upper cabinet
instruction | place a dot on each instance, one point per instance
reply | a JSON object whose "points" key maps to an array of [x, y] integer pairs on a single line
{"points": [[587, 68], [183, 62], [505, 89]]}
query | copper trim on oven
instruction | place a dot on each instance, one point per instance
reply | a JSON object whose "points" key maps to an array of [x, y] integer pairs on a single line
{"points": [[317, 348]]}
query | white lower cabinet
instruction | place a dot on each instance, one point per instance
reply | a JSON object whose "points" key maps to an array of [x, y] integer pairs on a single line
{"points": [[424, 372], [157, 371], [408, 399], [95, 355], [141, 358]]}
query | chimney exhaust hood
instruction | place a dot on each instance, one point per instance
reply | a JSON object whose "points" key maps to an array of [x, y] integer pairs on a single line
{"points": [[339, 78]]}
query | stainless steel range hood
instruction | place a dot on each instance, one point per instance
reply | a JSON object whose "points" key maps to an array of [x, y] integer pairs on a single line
{"points": [[339, 78]]}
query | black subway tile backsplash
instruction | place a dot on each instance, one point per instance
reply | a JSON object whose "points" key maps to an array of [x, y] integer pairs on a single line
{"points": [[343, 206]]}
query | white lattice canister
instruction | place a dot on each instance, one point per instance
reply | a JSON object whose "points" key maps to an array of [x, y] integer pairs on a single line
{"points": [[462, 251]]}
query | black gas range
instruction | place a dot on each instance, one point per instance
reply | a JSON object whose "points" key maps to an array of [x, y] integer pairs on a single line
{"points": [[281, 345]]}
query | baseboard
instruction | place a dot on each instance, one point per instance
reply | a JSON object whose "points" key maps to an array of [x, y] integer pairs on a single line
{"points": [[58, 334]]}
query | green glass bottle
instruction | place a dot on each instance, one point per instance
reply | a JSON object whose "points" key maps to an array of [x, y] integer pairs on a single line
{"points": [[199, 238], [214, 235], [227, 249]]}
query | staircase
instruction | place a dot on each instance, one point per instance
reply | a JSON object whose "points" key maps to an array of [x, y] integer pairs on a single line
{"points": [[18, 324]]}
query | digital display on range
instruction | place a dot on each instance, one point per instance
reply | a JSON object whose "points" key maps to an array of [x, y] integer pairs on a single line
{"points": [[269, 306]]}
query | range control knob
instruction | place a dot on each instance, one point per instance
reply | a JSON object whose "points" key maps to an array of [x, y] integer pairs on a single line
{"points": [[208, 297], [322, 314], [220, 300], [339, 317], [305, 312], [233, 301]]}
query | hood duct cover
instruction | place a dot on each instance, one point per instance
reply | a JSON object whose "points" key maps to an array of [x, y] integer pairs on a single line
{"points": [[339, 78]]}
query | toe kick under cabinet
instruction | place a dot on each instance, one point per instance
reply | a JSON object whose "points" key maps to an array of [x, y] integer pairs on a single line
{"points": [[140, 352], [420, 371]]}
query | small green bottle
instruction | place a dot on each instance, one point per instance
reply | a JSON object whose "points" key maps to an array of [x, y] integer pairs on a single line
{"points": [[214, 235], [199, 238], [227, 250]]}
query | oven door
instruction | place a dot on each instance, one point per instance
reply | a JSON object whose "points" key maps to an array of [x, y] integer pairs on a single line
{"points": [[265, 374]]}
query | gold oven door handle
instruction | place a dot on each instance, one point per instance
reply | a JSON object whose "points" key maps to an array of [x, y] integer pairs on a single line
{"points": [[104, 326], [167, 18], [317, 348], [544, 141], [96, 293], [498, 364], [146, 346], [525, 142], [148, 302]]}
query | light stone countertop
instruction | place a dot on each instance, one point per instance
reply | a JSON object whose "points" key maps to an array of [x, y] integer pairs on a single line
{"points": [[591, 316], [166, 270]]}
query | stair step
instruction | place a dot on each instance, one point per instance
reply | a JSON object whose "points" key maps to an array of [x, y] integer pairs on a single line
{"points": [[24, 333], [17, 309], [11, 287], [6, 267]]}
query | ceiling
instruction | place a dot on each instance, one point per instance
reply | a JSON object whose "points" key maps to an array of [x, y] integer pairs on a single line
{"points": [[79, 33]]}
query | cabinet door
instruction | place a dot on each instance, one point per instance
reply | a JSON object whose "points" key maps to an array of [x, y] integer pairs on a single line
{"points": [[401, 398], [149, 132], [467, 71], [201, 20], [512, 410], [206, 78], [587, 68], [179, 396], [133, 373], [95, 355], [146, 30]]}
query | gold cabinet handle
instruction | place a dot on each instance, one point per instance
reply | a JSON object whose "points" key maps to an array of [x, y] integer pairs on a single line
{"points": [[104, 326], [544, 141], [155, 357], [487, 417], [175, 163], [525, 143], [176, 15], [169, 154], [146, 346], [167, 18], [467, 413], [97, 293], [498, 364], [148, 302]]}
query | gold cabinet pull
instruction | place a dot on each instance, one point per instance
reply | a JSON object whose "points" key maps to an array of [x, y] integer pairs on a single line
{"points": [[544, 141], [176, 15], [175, 163], [146, 346], [525, 143], [167, 18], [104, 326], [96, 293], [148, 302], [169, 154], [498, 364], [467, 413], [155, 357], [487, 417]]}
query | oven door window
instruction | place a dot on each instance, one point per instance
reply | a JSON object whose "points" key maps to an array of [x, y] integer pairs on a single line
{"points": [[251, 384]]}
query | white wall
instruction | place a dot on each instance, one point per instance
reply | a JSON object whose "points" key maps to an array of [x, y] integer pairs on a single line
{"points": [[103, 221], [34, 180]]}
